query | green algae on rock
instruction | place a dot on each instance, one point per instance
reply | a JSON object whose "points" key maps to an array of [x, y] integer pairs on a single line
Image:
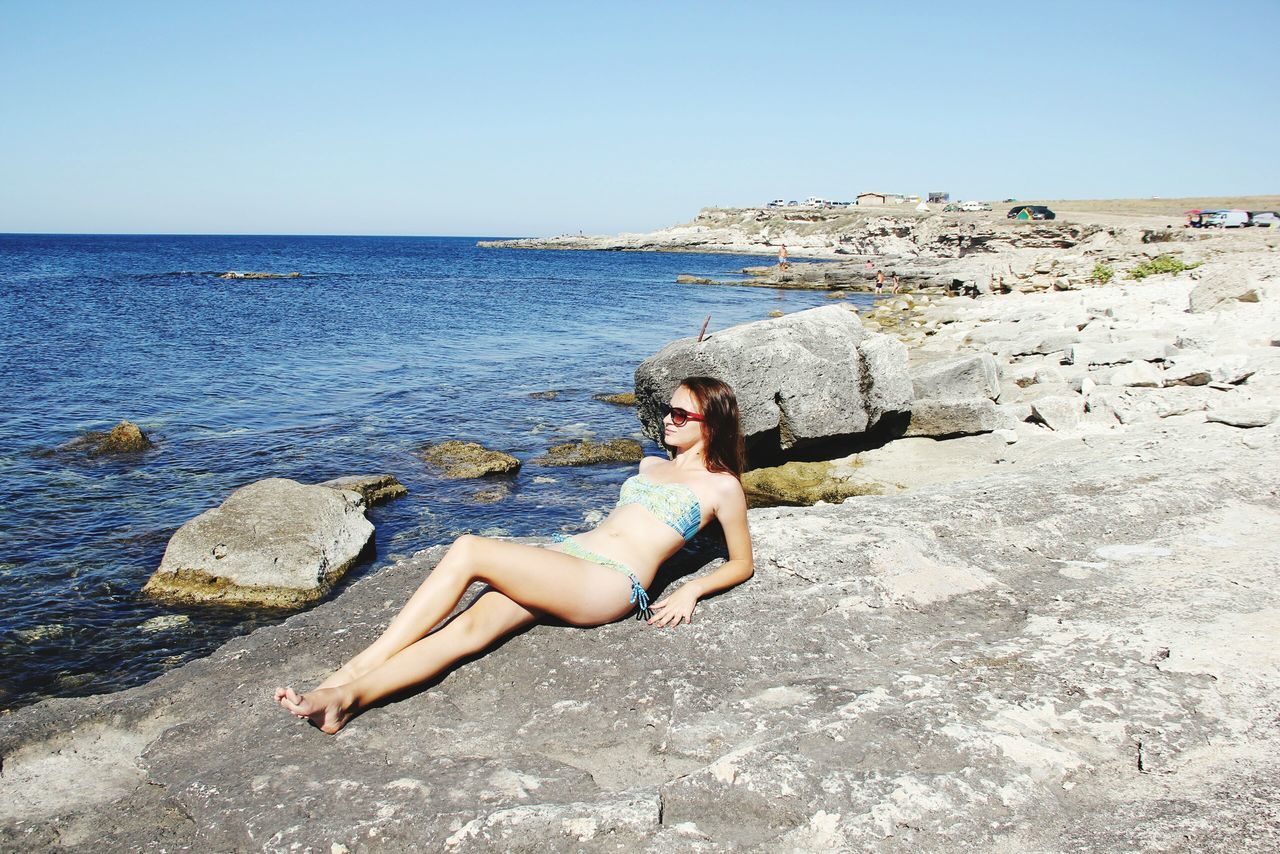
{"points": [[373, 488], [801, 484], [625, 398], [586, 453], [458, 460]]}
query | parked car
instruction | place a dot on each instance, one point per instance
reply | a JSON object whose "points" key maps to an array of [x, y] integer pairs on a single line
{"points": [[777, 203], [1264, 219], [951, 209], [1227, 219], [975, 206], [1031, 212]]}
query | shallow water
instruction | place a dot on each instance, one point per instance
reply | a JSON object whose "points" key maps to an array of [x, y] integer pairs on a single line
{"points": [[382, 345]]}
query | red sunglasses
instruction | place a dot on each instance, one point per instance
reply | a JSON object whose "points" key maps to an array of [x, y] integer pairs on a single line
{"points": [[680, 417]]}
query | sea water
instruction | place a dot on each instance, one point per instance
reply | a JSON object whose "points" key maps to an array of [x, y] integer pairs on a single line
{"points": [[379, 346]]}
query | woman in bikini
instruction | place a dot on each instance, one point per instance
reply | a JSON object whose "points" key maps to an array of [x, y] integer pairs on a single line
{"points": [[589, 579]]}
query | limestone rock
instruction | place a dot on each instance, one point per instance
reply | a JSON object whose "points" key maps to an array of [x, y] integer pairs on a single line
{"points": [[459, 460], [550, 394], [952, 379], [1142, 374], [1243, 416], [1133, 350], [373, 488], [800, 378], [586, 452], [941, 418], [800, 484], [275, 543], [1221, 287], [1058, 412]]}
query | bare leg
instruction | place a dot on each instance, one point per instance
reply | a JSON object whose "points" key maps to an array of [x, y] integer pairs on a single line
{"points": [[491, 617], [473, 558], [536, 579]]}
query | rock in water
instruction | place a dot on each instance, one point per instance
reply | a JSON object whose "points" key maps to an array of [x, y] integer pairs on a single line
{"points": [[588, 453], [274, 543], [804, 377], [624, 398], [124, 438], [373, 488], [467, 459]]}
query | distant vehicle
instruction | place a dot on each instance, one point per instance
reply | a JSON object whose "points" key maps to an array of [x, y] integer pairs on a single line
{"points": [[1030, 212], [1227, 219], [776, 203], [793, 204], [815, 202], [1010, 200], [975, 206], [1263, 219], [951, 209]]}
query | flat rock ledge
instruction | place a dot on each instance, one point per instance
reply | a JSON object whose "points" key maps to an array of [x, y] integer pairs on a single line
{"points": [[1073, 653]]}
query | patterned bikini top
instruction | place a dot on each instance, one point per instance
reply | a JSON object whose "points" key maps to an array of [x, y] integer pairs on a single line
{"points": [[672, 503]]}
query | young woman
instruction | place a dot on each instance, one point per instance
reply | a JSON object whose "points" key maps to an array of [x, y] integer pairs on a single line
{"points": [[587, 580]]}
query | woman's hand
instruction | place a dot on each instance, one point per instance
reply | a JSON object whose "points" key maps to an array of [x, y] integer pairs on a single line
{"points": [[674, 608]]}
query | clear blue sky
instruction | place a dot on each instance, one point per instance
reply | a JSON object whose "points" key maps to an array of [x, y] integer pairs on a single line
{"points": [[531, 118]]}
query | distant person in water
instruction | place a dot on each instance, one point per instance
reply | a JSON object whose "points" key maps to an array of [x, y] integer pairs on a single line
{"points": [[782, 257], [897, 283], [592, 578], [879, 281]]}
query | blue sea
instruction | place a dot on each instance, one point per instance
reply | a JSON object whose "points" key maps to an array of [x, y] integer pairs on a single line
{"points": [[380, 346]]}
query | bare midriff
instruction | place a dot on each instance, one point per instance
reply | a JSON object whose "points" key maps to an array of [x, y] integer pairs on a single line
{"points": [[633, 537]]}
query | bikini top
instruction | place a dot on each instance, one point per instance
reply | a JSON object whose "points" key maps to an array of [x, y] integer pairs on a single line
{"points": [[672, 503]]}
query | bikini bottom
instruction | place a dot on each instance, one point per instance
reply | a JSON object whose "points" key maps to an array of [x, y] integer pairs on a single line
{"points": [[639, 596]]}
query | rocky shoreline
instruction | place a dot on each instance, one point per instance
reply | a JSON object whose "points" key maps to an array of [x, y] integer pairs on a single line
{"points": [[1053, 633]]}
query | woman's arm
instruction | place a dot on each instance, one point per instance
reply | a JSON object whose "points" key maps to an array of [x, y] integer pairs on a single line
{"points": [[678, 606]]}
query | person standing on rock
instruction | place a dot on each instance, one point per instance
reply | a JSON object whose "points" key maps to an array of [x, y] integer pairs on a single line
{"points": [[589, 579], [782, 258]]}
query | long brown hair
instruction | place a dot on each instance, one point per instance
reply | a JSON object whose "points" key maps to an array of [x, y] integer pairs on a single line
{"points": [[722, 425]]}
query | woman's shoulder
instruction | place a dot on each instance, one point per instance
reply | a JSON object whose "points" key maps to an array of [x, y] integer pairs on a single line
{"points": [[652, 463]]}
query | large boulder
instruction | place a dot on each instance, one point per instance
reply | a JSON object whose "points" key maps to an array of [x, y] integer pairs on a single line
{"points": [[274, 543], [953, 379], [801, 378]]}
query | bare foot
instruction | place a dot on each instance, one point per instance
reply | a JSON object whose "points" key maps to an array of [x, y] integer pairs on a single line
{"points": [[327, 709]]}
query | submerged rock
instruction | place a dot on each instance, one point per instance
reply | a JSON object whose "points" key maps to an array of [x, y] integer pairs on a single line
{"points": [[124, 438], [586, 452], [274, 543], [626, 398], [233, 274], [458, 460], [801, 484], [373, 488], [550, 394]]}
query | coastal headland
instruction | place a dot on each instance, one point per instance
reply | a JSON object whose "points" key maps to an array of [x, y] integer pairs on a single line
{"points": [[1054, 629]]}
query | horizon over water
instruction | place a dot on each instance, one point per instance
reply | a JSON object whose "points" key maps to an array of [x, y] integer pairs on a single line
{"points": [[382, 345]]}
